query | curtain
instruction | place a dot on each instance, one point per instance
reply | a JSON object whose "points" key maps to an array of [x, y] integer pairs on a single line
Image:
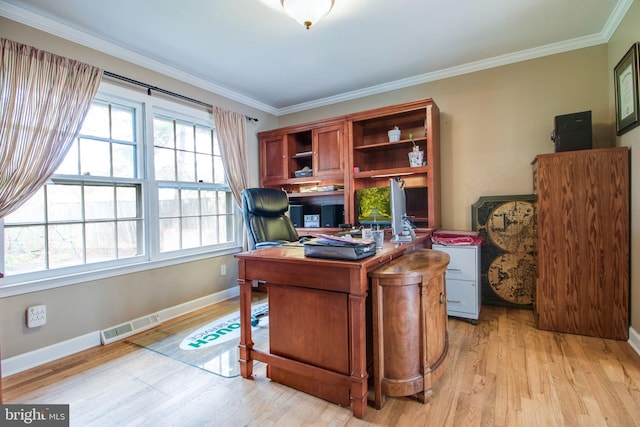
{"points": [[43, 101], [231, 128]]}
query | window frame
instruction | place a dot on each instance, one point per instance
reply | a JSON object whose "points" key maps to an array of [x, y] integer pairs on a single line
{"points": [[152, 258]]}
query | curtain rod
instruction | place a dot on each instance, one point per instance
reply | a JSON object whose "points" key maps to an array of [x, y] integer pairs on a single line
{"points": [[164, 91]]}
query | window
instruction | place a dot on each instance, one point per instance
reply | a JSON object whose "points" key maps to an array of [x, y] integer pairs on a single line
{"points": [[193, 197], [120, 199]]}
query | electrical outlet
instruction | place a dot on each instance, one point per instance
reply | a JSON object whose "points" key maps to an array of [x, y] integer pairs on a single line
{"points": [[36, 316], [223, 269]]}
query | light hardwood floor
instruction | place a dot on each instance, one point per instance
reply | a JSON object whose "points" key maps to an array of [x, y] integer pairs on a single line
{"points": [[501, 372]]}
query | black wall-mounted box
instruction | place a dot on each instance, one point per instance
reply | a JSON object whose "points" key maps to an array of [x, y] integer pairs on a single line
{"points": [[572, 132]]}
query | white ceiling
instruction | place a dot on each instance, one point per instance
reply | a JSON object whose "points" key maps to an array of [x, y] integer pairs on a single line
{"points": [[252, 52]]}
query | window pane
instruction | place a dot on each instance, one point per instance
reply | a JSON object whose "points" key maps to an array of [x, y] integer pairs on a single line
{"points": [[127, 202], [224, 200], [128, 232], [99, 202], [205, 168], [163, 133], [186, 166], [64, 202], [190, 232], [216, 146], [101, 240], [185, 137], [204, 141], [122, 123], [165, 164], [208, 201], [169, 234], [31, 211], [95, 157], [210, 230], [124, 160], [65, 245], [218, 169], [24, 249], [169, 202], [190, 203], [70, 164], [223, 229], [96, 123]]}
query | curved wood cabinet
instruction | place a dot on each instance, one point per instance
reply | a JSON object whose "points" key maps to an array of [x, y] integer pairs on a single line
{"points": [[410, 337]]}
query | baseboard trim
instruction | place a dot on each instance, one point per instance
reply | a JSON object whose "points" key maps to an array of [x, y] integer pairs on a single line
{"points": [[188, 307], [22, 362], [634, 340], [32, 359]]}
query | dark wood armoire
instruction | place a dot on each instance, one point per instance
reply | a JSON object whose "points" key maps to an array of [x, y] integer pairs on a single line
{"points": [[583, 242]]}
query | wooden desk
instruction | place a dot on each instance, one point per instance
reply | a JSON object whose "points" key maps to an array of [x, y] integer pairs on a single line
{"points": [[317, 320]]}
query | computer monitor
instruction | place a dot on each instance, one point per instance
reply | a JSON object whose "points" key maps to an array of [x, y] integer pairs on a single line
{"points": [[400, 225]]}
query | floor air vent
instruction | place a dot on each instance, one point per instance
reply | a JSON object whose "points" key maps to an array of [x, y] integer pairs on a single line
{"points": [[124, 330]]}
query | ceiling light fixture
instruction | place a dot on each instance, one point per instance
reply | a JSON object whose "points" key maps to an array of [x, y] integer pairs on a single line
{"points": [[307, 12]]}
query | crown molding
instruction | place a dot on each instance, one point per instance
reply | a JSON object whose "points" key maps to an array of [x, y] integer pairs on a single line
{"points": [[618, 13], [459, 70]]}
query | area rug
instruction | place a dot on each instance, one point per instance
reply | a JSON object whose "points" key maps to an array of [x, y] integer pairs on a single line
{"points": [[208, 343]]}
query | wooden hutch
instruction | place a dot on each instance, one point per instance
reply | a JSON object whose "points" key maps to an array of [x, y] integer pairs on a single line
{"points": [[343, 154]]}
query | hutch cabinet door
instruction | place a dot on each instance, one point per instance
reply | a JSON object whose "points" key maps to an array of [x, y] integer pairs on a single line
{"points": [[328, 150], [273, 154]]}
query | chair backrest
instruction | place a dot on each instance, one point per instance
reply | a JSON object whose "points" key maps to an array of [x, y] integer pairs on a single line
{"points": [[264, 213]]}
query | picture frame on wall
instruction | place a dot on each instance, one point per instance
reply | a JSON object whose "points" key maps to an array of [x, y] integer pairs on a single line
{"points": [[625, 76]]}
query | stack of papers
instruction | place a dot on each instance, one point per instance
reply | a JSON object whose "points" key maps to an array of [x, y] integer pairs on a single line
{"points": [[347, 248], [346, 240]]}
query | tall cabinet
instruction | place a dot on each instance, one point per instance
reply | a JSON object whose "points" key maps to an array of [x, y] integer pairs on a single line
{"points": [[583, 242], [327, 161]]}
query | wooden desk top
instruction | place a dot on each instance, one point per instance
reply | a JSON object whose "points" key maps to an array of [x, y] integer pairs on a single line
{"points": [[294, 254], [288, 265]]}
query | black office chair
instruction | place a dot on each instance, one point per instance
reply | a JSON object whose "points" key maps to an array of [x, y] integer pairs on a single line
{"points": [[264, 212]]}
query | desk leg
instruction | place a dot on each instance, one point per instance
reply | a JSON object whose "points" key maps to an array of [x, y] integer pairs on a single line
{"points": [[246, 342], [358, 336]]}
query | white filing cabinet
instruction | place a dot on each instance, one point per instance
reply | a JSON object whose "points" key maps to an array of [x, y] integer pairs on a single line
{"points": [[463, 281]]}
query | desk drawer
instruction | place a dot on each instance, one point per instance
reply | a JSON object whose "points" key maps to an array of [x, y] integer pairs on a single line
{"points": [[462, 297], [463, 264]]}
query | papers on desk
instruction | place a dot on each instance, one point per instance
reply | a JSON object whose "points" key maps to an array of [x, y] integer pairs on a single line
{"points": [[346, 240], [347, 248]]}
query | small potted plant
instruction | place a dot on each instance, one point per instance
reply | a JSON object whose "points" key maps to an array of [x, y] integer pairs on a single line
{"points": [[394, 134]]}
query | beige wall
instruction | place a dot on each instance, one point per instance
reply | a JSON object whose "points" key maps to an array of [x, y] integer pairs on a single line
{"points": [[493, 122], [628, 32], [75, 310]]}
